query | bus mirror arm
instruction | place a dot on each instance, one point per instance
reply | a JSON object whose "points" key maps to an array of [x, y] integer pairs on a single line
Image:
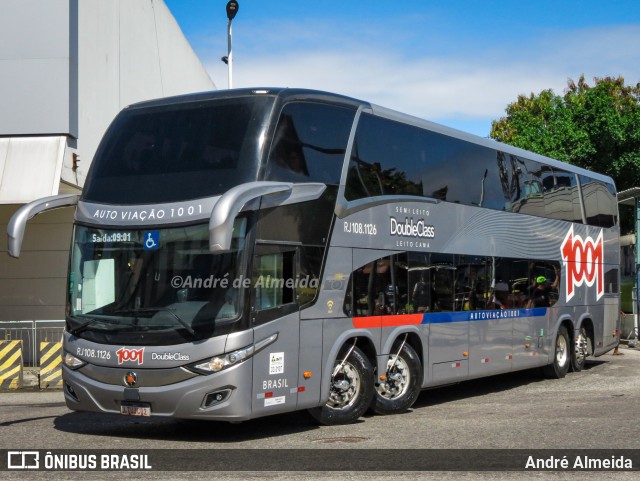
{"points": [[18, 221], [233, 201]]}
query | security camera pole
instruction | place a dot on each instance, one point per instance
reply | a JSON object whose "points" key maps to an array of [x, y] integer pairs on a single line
{"points": [[232, 10]]}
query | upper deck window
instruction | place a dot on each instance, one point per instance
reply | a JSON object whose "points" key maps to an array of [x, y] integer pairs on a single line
{"points": [[177, 152], [599, 202], [393, 158], [309, 143]]}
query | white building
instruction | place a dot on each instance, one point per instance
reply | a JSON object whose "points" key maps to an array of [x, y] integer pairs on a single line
{"points": [[67, 67]]}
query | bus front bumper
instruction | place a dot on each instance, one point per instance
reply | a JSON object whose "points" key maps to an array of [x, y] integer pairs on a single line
{"points": [[224, 396]]}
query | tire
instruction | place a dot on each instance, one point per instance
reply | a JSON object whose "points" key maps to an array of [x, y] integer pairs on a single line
{"points": [[561, 356], [351, 390], [402, 386], [581, 349]]}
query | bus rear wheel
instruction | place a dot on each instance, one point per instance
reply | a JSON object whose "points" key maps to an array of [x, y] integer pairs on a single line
{"points": [[401, 385], [581, 350], [561, 357], [351, 389]]}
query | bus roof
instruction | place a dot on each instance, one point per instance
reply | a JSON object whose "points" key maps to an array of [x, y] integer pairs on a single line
{"points": [[280, 93], [318, 95]]}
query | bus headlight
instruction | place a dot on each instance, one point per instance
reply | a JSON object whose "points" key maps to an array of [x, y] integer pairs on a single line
{"points": [[71, 361], [224, 361]]}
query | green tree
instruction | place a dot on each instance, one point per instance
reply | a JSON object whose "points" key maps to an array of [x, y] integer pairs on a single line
{"points": [[596, 127]]}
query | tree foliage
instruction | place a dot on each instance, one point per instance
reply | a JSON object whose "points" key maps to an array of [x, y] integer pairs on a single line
{"points": [[596, 127]]}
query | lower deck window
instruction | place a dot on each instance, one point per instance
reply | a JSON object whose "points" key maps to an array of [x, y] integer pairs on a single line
{"points": [[410, 283]]}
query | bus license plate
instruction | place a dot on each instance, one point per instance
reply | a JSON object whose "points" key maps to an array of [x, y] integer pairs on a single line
{"points": [[139, 409]]}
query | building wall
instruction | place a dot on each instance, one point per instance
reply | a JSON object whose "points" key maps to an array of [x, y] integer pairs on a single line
{"points": [[30, 167], [33, 286], [67, 67], [37, 67]]}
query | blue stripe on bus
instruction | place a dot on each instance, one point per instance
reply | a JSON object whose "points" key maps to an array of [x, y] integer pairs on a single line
{"points": [[470, 316]]}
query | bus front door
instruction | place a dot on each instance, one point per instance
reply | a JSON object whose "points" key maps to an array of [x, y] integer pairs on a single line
{"points": [[276, 320]]}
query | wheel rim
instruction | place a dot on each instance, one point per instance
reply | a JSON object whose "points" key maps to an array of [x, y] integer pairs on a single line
{"points": [[397, 379], [345, 387], [581, 346], [561, 351]]}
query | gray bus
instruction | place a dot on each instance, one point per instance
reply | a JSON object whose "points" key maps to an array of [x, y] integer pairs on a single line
{"points": [[248, 252]]}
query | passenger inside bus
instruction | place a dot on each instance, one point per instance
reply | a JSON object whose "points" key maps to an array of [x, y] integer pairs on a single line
{"points": [[474, 297], [421, 295], [539, 295], [542, 292]]}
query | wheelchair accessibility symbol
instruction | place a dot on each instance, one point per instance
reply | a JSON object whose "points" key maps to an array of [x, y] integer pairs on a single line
{"points": [[151, 240]]}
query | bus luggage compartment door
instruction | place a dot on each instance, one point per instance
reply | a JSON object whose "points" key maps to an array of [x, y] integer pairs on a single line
{"points": [[448, 351], [450, 371]]}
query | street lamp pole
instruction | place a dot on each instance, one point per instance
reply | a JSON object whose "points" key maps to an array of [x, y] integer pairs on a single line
{"points": [[232, 10]]}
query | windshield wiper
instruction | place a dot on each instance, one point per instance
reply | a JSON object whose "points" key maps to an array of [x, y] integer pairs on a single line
{"points": [[93, 319], [160, 309]]}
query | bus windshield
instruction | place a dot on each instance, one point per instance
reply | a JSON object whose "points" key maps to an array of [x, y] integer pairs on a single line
{"points": [[153, 287], [188, 150]]}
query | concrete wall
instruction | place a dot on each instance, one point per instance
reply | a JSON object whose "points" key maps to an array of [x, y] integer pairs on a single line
{"points": [[38, 50], [33, 287], [67, 67], [30, 167]]}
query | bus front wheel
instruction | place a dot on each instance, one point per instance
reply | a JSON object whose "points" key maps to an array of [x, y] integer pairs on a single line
{"points": [[400, 386], [351, 389], [562, 356]]}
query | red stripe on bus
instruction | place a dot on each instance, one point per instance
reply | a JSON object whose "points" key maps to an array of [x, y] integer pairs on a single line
{"points": [[372, 322]]}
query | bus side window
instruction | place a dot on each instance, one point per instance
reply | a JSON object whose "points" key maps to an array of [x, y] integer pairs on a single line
{"points": [[365, 286], [379, 288], [599, 202], [273, 283], [420, 287], [309, 274]]}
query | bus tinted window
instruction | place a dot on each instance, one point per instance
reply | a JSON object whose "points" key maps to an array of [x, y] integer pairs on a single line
{"points": [[309, 275], [379, 288], [415, 282], [274, 270], [393, 158], [462, 172], [611, 278], [309, 143], [521, 185], [388, 158], [599, 202], [561, 195], [187, 150]]}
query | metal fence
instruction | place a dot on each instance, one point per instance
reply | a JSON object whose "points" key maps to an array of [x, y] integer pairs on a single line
{"points": [[32, 333]]}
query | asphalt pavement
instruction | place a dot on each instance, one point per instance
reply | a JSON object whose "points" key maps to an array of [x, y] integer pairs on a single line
{"points": [[597, 409]]}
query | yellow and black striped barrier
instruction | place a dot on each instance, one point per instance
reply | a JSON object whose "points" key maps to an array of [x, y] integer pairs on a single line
{"points": [[11, 364], [50, 365]]}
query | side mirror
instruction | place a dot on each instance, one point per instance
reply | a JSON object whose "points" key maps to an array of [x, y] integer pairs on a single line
{"points": [[234, 200], [18, 222]]}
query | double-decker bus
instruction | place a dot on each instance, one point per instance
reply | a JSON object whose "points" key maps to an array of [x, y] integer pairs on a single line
{"points": [[242, 253]]}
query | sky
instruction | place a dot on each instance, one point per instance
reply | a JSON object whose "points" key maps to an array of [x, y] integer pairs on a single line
{"points": [[456, 63]]}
